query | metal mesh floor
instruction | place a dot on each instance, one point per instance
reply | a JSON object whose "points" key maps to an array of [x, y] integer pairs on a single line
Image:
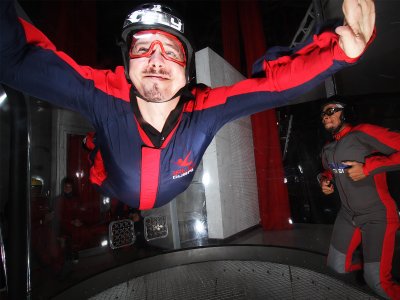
{"points": [[230, 279]]}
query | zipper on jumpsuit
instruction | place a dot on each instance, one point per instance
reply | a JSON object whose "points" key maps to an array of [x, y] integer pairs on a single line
{"points": [[341, 186]]}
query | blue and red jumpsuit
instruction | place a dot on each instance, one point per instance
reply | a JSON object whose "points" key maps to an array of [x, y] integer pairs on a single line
{"points": [[130, 164], [368, 214]]}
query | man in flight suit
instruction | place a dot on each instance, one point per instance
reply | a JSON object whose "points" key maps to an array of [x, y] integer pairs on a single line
{"points": [[357, 161], [152, 122]]}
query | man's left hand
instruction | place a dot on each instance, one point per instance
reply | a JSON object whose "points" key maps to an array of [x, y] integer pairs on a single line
{"points": [[358, 26], [355, 170]]}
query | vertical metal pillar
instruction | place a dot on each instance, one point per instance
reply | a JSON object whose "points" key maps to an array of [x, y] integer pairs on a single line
{"points": [[17, 241], [330, 84]]}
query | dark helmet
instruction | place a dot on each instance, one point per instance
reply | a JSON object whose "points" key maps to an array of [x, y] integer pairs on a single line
{"points": [[338, 104], [155, 16]]}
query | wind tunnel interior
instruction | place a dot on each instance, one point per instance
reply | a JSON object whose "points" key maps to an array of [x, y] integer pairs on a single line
{"points": [[186, 250]]}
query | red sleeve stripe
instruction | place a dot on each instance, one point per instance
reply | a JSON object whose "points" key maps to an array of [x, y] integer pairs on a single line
{"points": [[284, 73], [102, 78], [375, 162], [383, 135]]}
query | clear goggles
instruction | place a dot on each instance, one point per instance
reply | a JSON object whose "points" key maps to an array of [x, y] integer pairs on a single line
{"points": [[330, 111], [144, 44]]}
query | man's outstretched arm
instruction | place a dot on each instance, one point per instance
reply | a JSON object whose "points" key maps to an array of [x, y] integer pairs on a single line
{"points": [[383, 141]]}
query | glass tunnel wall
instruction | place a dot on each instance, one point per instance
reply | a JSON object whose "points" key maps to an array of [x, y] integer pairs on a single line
{"points": [[76, 232], [72, 242], [5, 147]]}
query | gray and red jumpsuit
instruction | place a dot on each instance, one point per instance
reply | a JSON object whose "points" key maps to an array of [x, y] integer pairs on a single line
{"points": [[368, 215]]}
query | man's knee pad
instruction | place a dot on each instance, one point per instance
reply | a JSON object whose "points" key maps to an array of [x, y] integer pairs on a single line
{"points": [[336, 260]]}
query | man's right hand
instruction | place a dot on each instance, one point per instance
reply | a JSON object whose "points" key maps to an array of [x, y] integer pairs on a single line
{"points": [[359, 25], [327, 187]]}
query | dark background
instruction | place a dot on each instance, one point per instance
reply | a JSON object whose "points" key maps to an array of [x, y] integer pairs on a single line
{"points": [[281, 19]]}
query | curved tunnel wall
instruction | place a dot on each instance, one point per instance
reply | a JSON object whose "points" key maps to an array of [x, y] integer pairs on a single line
{"points": [[226, 272]]}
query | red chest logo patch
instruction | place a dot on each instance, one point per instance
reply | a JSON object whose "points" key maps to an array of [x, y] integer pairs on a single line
{"points": [[185, 165]]}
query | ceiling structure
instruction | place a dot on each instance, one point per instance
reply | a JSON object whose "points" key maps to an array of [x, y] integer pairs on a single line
{"points": [[281, 19]]}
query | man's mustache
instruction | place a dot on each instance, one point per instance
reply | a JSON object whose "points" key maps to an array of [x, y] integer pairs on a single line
{"points": [[153, 71]]}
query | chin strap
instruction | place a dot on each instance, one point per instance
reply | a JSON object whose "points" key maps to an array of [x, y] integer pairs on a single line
{"points": [[184, 89], [125, 59], [137, 94], [336, 130]]}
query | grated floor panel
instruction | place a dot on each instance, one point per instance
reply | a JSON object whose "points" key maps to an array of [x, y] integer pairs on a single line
{"points": [[233, 280]]}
